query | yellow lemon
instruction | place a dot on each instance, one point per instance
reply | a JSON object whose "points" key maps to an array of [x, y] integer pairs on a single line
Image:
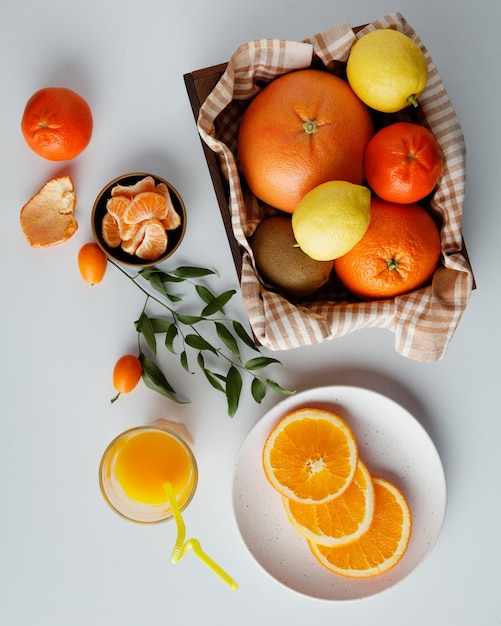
{"points": [[387, 70], [331, 219]]}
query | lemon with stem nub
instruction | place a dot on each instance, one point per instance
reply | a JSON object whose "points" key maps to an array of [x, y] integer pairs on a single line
{"points": [[331, 219], [387, 70]]}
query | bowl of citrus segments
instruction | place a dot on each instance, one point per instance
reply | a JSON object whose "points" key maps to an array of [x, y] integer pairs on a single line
{"points": [[138, 219]]}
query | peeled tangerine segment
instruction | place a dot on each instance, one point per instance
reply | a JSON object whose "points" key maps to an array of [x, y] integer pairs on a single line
{"points": [[47, 219]]}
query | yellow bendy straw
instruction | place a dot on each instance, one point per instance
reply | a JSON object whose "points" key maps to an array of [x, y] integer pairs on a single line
{"points": [[181, 546]]}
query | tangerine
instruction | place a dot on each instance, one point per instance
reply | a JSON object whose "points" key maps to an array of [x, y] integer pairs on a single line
{"points": [[398, 253], [92, 263], [57, 123], [126, 374], [403, 162], [381, 547], [304, 128], [310, 456]]}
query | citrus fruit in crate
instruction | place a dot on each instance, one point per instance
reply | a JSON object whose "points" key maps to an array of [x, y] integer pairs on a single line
{"points": [[387, 70], [57, 123], [126, 374], [310, 456], [48, 219], [398, 253], [381, 547], [283, 264], [92, 263], [331, 219], [303, 129], [403, 162], [340, 520]]}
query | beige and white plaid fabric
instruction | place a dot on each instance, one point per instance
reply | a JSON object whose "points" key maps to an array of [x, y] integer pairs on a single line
{"points": [[423, 321]]}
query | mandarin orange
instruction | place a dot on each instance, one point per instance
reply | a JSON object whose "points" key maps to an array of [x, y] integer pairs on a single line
{"points": [[57, 123], [403, 162], [398, 253], [304, 128]]}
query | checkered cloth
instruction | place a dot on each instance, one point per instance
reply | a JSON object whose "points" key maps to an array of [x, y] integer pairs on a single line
{"points": [[423, 321]]}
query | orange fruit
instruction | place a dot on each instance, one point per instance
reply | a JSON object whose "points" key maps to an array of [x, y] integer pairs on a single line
{"points": [[48, 219], [144, 206], [398, 253], [92, 263], [126, 374], [152, 239], [57, 123], [310, 456], [381, 547], [341, 520], [403, 162], [137, 217], [304, 128]]}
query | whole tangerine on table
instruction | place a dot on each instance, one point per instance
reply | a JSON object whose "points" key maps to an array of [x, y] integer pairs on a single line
{"points": [[92, 263], [126, 374], [304, 128], [403, 162], [57, 123], [398, 253]]}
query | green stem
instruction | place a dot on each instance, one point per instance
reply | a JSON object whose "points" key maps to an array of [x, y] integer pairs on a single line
{"points": [[413, 100]]}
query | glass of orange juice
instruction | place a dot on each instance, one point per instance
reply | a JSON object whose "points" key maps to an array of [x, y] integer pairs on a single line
{"points": [[135, 467]]}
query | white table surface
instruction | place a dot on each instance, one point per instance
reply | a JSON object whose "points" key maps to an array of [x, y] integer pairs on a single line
{"points": [[65, 558]]}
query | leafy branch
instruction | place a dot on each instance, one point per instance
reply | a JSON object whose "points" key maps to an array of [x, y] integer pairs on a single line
{"points": [[184, 335]]}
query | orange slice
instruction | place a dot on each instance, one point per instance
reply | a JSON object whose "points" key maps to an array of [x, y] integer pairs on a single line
{"points": [[310, 456], [381, 547], [173, 219], [144, 206], [47, 219], [117, 206], [341, 520], [154, 240], [109, 231], [129, 191]]}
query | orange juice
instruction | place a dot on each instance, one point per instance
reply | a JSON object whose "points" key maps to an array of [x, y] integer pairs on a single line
{"points": [[135, 468], [148, 460]]}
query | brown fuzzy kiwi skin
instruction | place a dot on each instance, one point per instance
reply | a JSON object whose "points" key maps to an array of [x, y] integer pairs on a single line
{"points": [[282, 264]]}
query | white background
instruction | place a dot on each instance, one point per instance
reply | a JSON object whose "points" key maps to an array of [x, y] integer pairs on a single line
{"points": [[65, 558]]}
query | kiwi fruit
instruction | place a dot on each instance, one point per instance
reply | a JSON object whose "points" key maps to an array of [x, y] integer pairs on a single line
{"points": [[282, 264]]}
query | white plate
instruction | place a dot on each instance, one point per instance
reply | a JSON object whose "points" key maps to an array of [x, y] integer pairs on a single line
{"points": [[393, 445]]}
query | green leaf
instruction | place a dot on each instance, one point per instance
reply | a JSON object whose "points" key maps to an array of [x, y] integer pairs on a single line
{"points": [[205, 294], [157, 284], [160, 324], [276, 387], [233, 389], [227, 338], [173, 298], [184, 361], [145, 327], [192, 272], [169, 338], [211, 376], [259, 362], [258, 389], [218, 303], [244, 336], [189, 320], [154, 379], [199, 343]]}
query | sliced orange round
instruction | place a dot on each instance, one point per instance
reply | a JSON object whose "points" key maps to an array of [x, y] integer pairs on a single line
{"points": [[310, 456], [341, 520], [144, 206], [381, 547]]}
